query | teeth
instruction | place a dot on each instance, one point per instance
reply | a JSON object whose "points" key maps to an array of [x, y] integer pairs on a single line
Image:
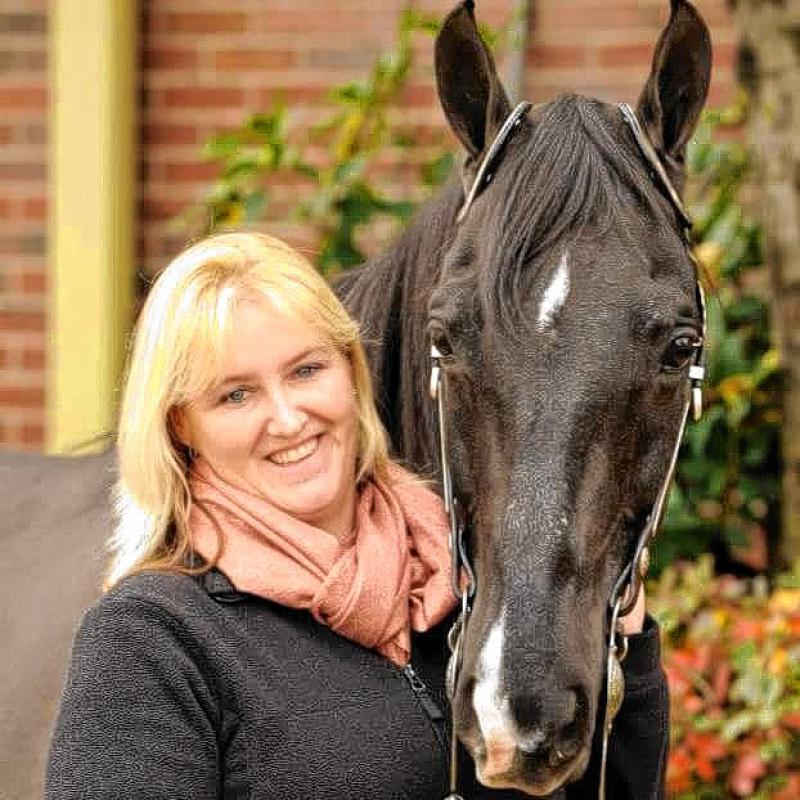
{"points": [[296, 453]]}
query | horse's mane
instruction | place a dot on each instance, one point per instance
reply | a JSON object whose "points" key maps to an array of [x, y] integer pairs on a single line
{"points": [[388, 295]]}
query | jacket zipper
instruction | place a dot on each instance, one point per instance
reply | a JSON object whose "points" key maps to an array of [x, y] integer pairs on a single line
{"points": [[429, 705]]}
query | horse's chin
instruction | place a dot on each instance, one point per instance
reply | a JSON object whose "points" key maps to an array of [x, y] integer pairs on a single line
{"points": [[539, 781]]}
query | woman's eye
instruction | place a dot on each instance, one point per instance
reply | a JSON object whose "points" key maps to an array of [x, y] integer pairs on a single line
{"points": [[236, 397], [307, 371]]}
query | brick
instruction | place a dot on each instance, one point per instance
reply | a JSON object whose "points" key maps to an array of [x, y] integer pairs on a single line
{"points": [[329, 58], [294, 95], [33, 282], [419, 95], [24, 171], [253, 59], [207, 22], [725, 54], [21, 321], [581, 17], [23, 23], [165, 133], [27, 97], [32, 434], [206, 97], [27, 61], [169, 58], [192, 172], [329, 19], [625, 55], [33, 359], [22, 397], [35, 208], [543, 55], [161, 209], [33, 133], [6, 134], [23, 244]]}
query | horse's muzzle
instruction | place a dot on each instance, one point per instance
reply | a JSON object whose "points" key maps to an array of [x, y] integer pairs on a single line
{"points": [[541, 744]]}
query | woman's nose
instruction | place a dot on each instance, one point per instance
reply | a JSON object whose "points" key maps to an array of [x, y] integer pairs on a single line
{"points": [[286, 418]]}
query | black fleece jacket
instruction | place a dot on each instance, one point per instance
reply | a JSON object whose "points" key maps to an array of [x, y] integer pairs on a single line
{"points": [[182, 687]]}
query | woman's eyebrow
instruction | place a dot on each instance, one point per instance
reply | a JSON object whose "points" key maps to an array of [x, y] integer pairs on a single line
{"points": [[244, 377], [316, 350]]}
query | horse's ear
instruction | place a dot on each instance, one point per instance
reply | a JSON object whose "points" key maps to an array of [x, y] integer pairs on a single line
{"points": [[471, 94], [676, 91]]}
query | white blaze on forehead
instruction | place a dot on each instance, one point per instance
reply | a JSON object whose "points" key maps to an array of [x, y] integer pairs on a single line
{"points": [[554, 296], [491, 708]]}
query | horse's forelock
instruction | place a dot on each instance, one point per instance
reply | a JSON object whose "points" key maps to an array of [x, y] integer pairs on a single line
{"points": [[569, 177]]}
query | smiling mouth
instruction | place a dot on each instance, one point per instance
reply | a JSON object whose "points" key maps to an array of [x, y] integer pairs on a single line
{"points": [[293, 455]]}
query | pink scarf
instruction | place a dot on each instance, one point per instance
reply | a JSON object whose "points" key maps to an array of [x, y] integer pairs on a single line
{"points": [[391, 576]]}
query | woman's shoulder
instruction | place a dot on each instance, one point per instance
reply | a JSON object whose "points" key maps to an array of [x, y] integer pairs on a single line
{"points": [[154, 600], [155, 587]]}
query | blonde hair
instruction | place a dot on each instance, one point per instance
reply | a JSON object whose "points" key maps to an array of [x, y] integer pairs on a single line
{"points": [[177, 353]]}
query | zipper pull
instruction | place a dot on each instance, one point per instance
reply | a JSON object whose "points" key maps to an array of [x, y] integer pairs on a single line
{"points": [[423, 695]]}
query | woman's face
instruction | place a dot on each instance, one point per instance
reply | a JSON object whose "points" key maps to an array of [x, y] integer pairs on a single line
{"points": [[282, 422]]}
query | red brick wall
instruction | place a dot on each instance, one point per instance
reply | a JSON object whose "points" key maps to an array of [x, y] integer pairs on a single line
{"points": [[207, 63], [603, 48], [23, 209], [206, 67]]}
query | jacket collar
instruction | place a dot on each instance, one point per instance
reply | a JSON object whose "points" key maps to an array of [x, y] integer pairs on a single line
{"points": [[219, 587]]}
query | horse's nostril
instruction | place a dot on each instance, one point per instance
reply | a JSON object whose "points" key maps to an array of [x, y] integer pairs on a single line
{"points": [[566, 744], [552, 709], [569, 738]]}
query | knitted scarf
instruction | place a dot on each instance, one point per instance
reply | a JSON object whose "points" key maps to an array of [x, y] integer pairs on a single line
{"points": [[392, 575]]}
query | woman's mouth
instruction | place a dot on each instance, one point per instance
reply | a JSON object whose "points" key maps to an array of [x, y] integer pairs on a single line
{"points": [[293, 455]]}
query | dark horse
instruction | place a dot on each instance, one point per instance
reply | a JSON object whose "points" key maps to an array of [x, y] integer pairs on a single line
{"points": [[564, 306]]}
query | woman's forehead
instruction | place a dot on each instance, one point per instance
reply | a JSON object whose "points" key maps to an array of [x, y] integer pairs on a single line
{"points": [[262, 321], [261, 337]]}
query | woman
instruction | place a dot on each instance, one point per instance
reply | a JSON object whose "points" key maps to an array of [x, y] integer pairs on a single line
{"points": [[278, 598]]}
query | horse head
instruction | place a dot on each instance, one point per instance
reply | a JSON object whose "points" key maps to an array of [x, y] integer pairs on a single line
{"points": [[566, 315]]}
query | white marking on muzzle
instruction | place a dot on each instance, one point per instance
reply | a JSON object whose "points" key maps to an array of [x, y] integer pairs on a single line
{"points": [[491, 707], [554, 296]]}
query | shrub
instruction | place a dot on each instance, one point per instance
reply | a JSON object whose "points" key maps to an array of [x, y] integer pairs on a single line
{"points": [[732, 658], [727, 487]]}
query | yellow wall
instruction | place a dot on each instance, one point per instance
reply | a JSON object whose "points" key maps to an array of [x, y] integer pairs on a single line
{"points": [[93, 173]]}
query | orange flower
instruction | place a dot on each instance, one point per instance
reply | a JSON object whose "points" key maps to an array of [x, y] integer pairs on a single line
{"points": [[705, 770], [679, 771], [791, 791], [792, 720], [706, 745], [747, 629]]}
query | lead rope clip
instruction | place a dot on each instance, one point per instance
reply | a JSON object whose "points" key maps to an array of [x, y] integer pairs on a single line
{"points": [[455, 638]]}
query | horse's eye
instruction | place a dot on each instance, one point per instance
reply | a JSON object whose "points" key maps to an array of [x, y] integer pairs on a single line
{"points": [[440, 340], [681, 350]]}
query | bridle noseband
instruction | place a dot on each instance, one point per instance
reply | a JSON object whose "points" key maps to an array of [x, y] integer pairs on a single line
{"points": [[626, 589]]}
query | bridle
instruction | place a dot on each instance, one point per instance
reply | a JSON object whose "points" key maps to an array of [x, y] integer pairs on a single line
{"points": [[626, 589]]}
